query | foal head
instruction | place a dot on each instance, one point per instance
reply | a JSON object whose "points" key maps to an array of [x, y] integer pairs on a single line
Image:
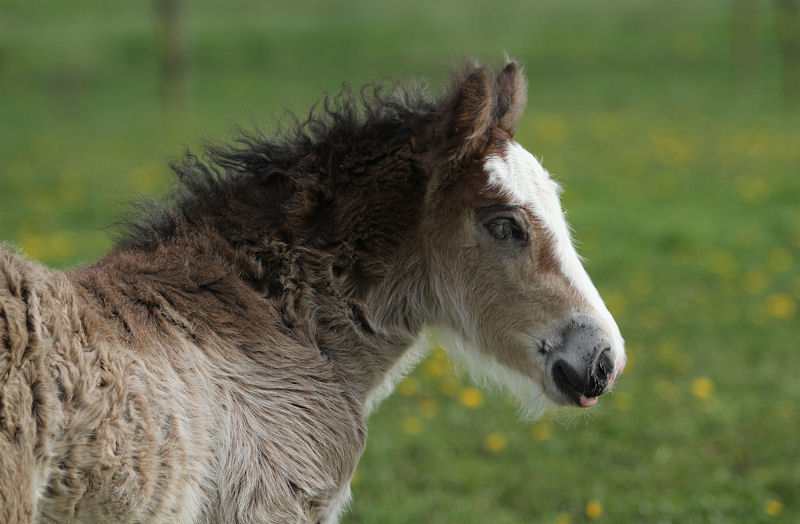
{"points": [[512, 298]]}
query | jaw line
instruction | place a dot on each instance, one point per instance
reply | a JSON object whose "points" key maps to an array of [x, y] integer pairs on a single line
{"points": [[484, 368]]}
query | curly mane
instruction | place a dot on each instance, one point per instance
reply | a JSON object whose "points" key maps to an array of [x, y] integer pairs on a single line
{"points": [[262, 172]]}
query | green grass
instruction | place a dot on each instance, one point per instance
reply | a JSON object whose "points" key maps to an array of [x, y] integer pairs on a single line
{"points": [[681, 182]]}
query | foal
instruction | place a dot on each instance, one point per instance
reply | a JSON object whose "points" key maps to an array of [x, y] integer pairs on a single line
{"points": [[218, 364]]}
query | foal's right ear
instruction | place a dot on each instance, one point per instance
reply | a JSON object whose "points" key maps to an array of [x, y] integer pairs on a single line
{"points": [[468, 113]]}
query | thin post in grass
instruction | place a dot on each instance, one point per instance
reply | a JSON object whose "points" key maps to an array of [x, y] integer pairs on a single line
{"points": [[174, 55], [787, 14], [745, 38]]}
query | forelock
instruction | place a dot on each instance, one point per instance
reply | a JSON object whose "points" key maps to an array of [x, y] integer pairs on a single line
{"points": [[519, 176]]}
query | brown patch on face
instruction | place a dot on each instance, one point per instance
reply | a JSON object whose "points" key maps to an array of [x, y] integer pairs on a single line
{"points": [[546, 258]]}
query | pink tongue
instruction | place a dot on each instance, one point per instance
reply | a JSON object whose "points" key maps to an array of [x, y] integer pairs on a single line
{"points": [[588, 402]]}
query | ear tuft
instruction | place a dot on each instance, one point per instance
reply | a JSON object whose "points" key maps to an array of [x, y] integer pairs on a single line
{"points": [[512, 96]]}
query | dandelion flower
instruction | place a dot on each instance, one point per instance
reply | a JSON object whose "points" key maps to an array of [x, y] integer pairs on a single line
{"points": [[563, 518], [773, 508], [495, 443], [594, 509], [781, 305], [541, 432], [702, 387], [409, 386], [412, 426], [471, 398], [436, 368]]}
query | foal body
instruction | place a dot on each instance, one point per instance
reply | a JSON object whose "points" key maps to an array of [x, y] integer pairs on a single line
{"points": [[218, 364]]}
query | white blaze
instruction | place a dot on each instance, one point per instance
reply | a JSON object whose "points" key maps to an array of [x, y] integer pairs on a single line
{"points": [[521, 177]]}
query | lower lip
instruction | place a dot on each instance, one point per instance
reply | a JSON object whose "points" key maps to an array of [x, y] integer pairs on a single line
{"points": [[588, 402]]}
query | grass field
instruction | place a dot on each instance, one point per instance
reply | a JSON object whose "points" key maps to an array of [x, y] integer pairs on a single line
{"points": [[682, 181]]}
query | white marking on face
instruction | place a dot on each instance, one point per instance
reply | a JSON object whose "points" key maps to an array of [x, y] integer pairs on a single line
{"points": [[520, 177]]}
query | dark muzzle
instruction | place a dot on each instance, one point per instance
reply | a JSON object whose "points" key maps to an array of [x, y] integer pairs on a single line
{"points": [[582, 367]]}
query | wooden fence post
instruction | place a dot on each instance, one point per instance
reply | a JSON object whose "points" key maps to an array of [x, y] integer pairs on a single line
{"points": [[787, 15], [174, 56]]}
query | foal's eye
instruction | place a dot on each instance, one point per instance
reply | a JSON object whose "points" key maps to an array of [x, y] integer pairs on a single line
{"points": [[504, 229]]}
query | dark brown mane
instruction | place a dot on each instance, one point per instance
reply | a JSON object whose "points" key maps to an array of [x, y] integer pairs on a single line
{"points": [[257, 175]]}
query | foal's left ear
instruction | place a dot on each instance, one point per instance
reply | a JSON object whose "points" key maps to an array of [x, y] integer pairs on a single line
{"points": [[479, 102], [512, 96]]}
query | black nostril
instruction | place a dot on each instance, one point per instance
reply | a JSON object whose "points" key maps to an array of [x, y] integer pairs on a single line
{"points": [[568, 380], [603, 366], [599, 374]]}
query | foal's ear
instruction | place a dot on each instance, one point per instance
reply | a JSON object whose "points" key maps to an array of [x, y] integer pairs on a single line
{"points": [[468, 114], [479, 102], [512, 96]]}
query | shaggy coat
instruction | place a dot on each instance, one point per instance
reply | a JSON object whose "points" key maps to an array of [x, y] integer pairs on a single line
{"points": [[217, 365]]}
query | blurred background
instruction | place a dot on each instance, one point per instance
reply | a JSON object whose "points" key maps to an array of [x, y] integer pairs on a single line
{"points": [[673, 126]]}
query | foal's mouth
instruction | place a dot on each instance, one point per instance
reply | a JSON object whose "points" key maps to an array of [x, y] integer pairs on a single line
{"points": [[583, 387]]}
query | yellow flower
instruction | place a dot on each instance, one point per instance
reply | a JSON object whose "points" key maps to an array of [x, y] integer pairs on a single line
{"points": [[702, 387], [435, 368], [495, 443], [594, 509], [541, 432], [412, 425], [471, 398], [773, 508], [781, 305], [563, 518], [409, 386]]}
